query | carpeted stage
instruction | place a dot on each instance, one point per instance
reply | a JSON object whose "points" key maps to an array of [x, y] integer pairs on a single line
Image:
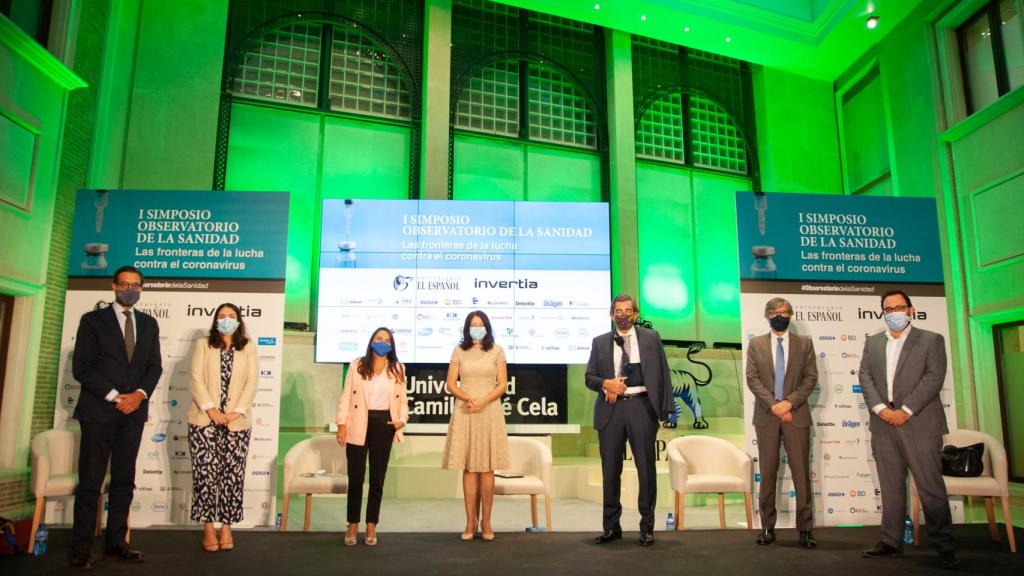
{"points": [[696, 552]]}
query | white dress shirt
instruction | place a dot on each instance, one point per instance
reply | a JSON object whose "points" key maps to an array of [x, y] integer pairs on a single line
{"points": [[121, 319], [634, 358], [893, 348]]}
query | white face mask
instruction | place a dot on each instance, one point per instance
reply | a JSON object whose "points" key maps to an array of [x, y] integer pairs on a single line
{"points": [[897, 321], [477, 332], [227, 325]]}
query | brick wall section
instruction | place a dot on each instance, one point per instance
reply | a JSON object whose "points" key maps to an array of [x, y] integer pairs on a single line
{"points": [[15, 499], [74, 162]]}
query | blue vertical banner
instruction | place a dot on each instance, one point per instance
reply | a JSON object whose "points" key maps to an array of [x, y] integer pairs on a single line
{"points": [[833, 257], [196, 250]]}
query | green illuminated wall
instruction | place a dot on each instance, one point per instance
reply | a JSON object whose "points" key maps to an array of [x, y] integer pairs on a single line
{"points": [[312, 157], [689, 269], [498, 169]]}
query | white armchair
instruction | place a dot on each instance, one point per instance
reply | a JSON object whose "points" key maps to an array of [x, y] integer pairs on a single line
{"points": [[993, 482], [709, 465], [308, 456], [55, 472], [532, 459]]}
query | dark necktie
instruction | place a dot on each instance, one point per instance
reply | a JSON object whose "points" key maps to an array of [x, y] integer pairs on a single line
{"points": [[624, 368], [129, 334]]}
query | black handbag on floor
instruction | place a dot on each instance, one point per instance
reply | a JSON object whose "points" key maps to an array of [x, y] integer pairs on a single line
{"points": [[963, 462]]}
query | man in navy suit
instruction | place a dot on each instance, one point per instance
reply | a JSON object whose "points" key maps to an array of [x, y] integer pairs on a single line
{"points": [[117, 362], [629, 371]]}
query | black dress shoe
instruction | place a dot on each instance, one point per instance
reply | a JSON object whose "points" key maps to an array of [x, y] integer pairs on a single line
{"points": [[609, 535], [646, 539], [125, 553], [948, 560], [766, 537], [881, 549], [806, 540], [81, 561]]}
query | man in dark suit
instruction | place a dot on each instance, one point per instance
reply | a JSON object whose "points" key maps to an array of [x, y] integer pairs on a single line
{"points": [[901, 373], [782, 372], [629, 371], [117, 362]]}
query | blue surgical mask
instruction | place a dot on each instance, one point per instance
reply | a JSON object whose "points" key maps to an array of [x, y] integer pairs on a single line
{"points": [[381, 348], [897, 321], [477, 332], [227, 325]]}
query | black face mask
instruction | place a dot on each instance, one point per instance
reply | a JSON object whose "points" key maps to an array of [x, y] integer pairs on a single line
{"points": [[779, 323]]}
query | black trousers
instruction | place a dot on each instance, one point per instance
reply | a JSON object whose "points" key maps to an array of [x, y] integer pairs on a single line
{"points": [[117, 442], [379, 436], [633, 420]]}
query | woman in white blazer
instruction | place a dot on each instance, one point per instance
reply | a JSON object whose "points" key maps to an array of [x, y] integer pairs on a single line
{"points": [[372, 411], [223, 386]]}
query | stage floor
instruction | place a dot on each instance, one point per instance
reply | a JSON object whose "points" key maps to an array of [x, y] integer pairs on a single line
{"points": [[709, 552]]}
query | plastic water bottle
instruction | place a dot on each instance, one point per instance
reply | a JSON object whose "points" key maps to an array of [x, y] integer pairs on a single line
{"points": [[670, 523], [908, 531], [42, 539], [277, 523]]}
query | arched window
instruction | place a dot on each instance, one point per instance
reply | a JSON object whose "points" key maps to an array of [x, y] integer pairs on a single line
{"points": [[285, 64], [527, 88], [691, 108]]}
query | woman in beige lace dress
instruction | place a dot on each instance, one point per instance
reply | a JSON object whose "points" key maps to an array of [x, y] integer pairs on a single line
{"points": [[476, 441]]}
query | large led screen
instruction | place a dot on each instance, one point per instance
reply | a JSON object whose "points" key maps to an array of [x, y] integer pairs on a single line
{"points": [[540, 270]]}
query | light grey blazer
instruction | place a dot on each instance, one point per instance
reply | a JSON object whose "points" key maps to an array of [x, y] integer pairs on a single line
{"points": [[801, 376], [920, 372]]}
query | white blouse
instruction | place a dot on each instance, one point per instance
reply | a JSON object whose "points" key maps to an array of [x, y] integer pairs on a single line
{"points": [[378, 391]]}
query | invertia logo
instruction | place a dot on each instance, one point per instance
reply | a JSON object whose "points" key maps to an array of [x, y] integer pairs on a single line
{"points": [[878, 314], [252, 311], [521, 283]]}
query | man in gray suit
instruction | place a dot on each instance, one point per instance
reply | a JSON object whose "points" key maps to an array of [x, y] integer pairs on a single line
{"points": [[781, 373], [629, 371], [901, 373]]}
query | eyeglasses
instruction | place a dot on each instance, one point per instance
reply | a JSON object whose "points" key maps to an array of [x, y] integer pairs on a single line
{"points": [[783, 313], [129, 286], [891, 309], [623, 313]]}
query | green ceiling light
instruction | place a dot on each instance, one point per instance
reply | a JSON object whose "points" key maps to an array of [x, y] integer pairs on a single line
{"points": [[597, 6], [686, 29], [872, 22], [643, 18], [728, 39]]}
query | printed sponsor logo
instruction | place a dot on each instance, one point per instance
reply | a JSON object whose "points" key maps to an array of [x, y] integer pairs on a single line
{"points": [[159, 506], [146, 472], [159, 437], [851, 423], [266, 341]]}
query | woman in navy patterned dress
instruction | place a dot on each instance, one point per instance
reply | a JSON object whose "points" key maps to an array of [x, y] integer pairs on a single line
{"points": [[223, 385]]}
